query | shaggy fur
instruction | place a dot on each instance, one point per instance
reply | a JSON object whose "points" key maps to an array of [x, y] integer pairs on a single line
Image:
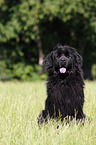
{"points": [[65, 96]]}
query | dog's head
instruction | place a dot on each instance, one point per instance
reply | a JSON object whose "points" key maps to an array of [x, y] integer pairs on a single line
{"points": [[63, 60]]}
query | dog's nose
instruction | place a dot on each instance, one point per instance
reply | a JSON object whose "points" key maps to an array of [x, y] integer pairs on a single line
{"points": [[63, 59]]}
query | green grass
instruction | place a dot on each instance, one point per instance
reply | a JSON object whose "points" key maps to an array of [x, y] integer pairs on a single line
{"points": [[20, 104]]}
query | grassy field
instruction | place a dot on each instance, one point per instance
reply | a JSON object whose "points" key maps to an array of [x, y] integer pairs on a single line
{"points": [[20, 104]]}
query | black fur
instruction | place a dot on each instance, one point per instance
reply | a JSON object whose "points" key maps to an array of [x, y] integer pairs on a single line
{"points": [[65, 96]]}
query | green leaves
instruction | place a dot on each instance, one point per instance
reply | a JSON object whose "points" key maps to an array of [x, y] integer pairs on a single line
{"points": [[71, 22], [24, 16]]}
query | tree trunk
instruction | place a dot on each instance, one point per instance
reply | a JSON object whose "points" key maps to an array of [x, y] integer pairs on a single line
{"points": [[39, 44]]}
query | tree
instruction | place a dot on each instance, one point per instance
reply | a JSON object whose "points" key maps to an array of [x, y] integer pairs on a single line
{"points": [[29, 30], [39, 43]]}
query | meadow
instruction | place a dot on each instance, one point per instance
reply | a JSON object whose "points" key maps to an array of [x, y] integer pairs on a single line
{"points": [[21, 103]]}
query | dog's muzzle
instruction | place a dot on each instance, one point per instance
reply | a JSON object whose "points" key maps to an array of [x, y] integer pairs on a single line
{"points": [[63, 64]]}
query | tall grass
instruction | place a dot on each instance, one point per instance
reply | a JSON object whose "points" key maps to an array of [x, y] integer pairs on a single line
{"points": [[20, 104]]}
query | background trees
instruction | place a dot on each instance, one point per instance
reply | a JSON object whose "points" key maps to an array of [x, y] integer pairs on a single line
{"points": [[30, 29]]}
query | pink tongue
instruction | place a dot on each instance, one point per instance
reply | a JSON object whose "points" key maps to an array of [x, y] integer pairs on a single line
{"points": [[62, 70]]}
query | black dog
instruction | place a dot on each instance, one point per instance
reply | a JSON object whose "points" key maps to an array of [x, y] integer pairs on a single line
{"points": [[65, 96]]}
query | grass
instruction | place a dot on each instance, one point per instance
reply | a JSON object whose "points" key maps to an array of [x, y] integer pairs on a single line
{"points": [[20, 104]]}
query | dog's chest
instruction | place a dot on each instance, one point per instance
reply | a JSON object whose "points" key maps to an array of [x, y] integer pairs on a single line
{"points": [[68, 90], [60, 92], [65, 92]]}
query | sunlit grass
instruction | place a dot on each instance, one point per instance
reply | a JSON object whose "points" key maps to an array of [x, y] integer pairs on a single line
{"points": [[20, 104]]}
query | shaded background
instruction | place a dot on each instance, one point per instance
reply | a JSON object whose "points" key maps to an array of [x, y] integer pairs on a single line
{"points": [[30, 29]]}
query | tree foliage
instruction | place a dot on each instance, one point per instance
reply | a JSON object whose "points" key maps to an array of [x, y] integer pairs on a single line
{"points": [[63, 21]]}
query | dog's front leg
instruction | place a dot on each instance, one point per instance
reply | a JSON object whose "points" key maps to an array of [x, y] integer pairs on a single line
{"points": [[43, 117]]}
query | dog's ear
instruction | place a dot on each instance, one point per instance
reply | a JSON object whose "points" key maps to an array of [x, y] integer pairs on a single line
{"points": [[48, 61], [78, 60]]}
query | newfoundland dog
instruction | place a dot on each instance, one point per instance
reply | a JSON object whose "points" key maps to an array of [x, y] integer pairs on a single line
{"points": [[65, 95]]}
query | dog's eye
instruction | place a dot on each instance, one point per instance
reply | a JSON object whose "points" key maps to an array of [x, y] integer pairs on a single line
{"points": [[59, 54], [66, 54]]}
